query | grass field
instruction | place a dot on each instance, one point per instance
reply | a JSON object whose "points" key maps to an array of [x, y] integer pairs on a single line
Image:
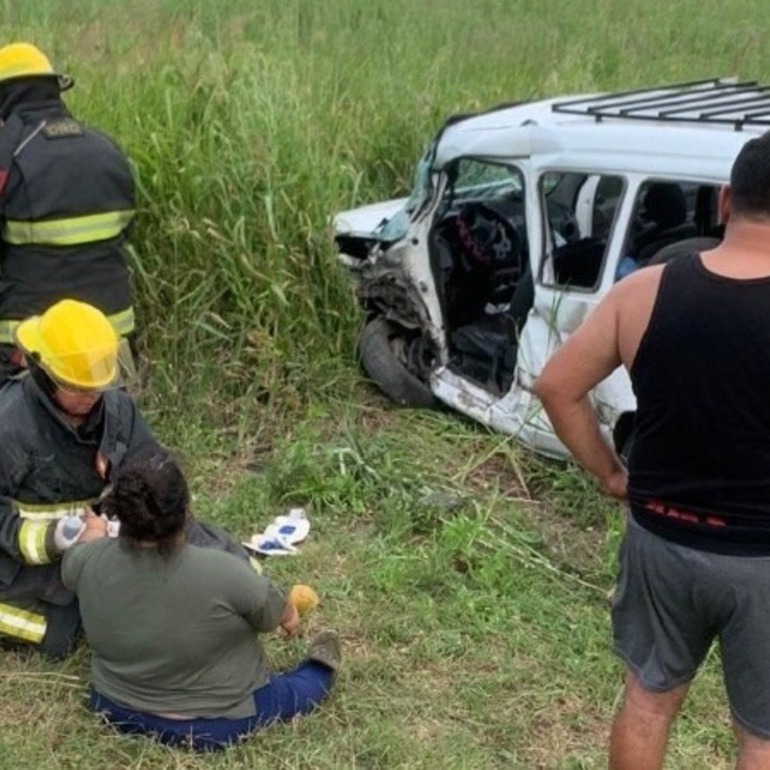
{"points": [[469, 579]]}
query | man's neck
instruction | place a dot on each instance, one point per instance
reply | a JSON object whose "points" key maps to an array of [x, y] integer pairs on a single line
{"points": [[744, 252]]}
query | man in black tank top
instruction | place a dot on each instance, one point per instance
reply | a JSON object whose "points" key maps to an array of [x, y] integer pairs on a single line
{"points": [[694, 336]]}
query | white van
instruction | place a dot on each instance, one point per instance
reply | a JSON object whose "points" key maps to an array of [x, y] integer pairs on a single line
{"points": [[520, 220]]}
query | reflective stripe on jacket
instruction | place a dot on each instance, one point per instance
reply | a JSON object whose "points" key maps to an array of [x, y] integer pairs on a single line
{"points": [[22, 624], [68, 232]]}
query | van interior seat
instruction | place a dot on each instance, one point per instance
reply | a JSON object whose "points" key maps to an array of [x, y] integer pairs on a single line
{"points": [[664, 206]]}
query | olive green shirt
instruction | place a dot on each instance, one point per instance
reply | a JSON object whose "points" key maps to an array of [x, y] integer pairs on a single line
{"points": [[177, 634]]}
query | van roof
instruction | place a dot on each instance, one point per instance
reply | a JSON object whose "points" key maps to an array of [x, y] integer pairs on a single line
{"points": [[694, 129]]}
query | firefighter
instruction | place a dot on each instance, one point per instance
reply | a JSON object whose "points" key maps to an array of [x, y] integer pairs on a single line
{"points": [[66, 428], [66, 204]]}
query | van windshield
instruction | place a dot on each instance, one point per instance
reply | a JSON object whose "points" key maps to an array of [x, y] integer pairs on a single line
{"points": [[395, 228]]}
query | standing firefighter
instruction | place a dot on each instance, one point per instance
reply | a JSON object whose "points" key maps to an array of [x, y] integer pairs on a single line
{"points": [[66, 202]]}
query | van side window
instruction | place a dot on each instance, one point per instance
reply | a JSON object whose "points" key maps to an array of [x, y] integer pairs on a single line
{"points": [[580, 211], [671, 217]]}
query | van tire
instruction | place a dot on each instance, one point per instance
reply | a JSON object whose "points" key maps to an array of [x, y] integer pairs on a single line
{"points": [[378, 352]]}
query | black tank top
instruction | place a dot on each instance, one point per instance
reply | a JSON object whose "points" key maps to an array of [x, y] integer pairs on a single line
{"points": [[699, 470]]}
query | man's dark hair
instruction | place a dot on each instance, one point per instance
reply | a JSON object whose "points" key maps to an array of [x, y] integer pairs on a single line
{"points": [[151, 498], [750, 179]]}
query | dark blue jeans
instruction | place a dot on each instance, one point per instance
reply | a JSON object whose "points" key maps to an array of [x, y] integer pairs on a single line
{"points": [[285, 695]]}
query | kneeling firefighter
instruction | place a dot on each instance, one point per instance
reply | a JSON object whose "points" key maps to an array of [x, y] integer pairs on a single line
{"points": [[65, 429]]}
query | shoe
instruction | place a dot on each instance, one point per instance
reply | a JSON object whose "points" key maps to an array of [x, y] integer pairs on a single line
{"points": [[281, 537], [294, 526], [270, 543], [325, 648]]}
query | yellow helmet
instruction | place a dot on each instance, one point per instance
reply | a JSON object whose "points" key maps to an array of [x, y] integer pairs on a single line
{"points": [[22, 60], [74, 343]]}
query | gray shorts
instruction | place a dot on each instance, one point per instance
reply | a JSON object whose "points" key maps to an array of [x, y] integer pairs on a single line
{"points": [[671, 602]]}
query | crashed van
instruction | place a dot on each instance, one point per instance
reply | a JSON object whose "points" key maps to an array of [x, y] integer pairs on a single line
{"points": [[521, 218]]}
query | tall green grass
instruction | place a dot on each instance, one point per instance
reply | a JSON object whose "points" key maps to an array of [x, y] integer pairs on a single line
{"points": [[250, 124]]}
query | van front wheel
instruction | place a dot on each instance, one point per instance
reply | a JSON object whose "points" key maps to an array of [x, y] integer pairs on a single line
{"points": [[383, 350]]}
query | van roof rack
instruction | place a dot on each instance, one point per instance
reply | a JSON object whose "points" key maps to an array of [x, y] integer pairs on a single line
{"points": [[724, 101]]}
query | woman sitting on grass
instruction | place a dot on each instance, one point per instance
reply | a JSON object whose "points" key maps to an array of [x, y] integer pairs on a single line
{"points": [[172, 626]]}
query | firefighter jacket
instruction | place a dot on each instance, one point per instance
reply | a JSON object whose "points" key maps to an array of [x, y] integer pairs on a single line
{"points": [[48, 470], [65, 209]]}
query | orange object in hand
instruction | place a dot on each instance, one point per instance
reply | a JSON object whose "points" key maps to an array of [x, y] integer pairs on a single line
{"points": [[304, 598]]}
